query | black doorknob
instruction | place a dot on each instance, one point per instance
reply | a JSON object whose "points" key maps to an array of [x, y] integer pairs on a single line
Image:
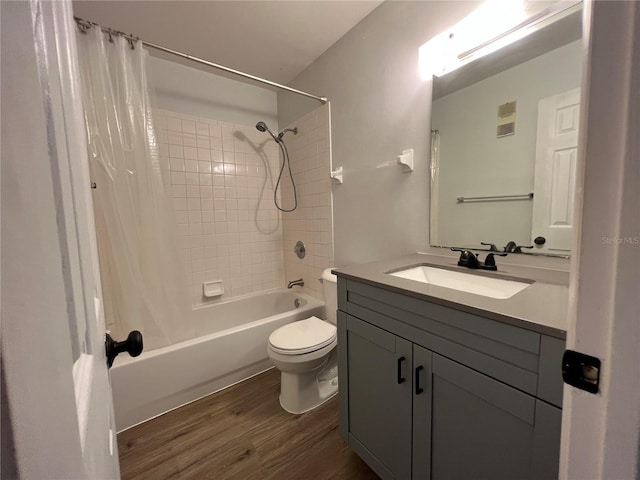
{"points": [[132, 345], [539, 240]]}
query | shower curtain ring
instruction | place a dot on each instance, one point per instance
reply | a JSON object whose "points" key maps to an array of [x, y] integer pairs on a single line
{"points": [[110, 36]]}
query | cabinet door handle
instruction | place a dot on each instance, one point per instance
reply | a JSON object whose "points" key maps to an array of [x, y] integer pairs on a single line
{"points": [[401, 379], [418, 389]]}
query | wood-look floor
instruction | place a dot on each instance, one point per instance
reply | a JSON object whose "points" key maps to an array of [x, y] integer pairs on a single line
{"points": [[241, 433]]}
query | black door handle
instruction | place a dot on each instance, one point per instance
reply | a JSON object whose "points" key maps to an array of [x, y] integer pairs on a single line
{"points": [[581, 371], [401, 379], [418, 389], [132, 345]]}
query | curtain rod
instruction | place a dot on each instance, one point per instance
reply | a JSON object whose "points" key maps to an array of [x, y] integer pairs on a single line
{"points": [[84, 24]]}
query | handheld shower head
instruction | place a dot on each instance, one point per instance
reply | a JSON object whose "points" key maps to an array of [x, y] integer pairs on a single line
{"points": [[262, 127]]}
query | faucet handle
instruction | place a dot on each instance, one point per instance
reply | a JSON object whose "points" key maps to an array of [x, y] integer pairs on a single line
{"points": [[463, 250], [467, 257], [510, 247], [492, 247], [490, 261]]}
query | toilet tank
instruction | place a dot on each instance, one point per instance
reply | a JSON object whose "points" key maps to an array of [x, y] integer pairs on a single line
{"points": [[330, 288]]}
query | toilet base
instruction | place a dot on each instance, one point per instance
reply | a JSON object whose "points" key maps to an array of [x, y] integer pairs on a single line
{"points": [[302, 392]]}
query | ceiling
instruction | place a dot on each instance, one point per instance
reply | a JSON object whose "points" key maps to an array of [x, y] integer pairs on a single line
{"points": [[275, 40]]}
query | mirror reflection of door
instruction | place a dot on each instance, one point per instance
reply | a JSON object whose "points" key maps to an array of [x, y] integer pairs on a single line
{"points": [[555, 171]]}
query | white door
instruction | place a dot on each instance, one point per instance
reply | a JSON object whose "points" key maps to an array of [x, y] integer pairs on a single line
{"points": [[57, 394], [555, 171], [601, 432]]}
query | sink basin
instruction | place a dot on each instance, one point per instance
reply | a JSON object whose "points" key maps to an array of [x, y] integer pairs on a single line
{"points": [[478, 284]]}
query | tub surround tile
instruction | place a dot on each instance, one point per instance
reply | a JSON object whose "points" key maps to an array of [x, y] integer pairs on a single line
{"points": [[221, 202], [222, 179], [312, 221]]}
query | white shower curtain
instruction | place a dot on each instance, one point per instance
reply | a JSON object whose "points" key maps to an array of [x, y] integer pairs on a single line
{"points": [[142, 274]]}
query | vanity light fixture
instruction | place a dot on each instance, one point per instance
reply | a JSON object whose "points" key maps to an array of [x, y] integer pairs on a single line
{"points": [[495, 24]]}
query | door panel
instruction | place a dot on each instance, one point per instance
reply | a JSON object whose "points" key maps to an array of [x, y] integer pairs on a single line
{"points": [[487, 436], [54, 362], [380, 382], [546, 444]]}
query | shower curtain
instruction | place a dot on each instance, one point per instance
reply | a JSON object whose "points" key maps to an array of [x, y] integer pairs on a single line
{"points": [[142, 274]]}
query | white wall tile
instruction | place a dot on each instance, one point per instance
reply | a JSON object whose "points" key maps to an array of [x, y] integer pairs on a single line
{"points": [[188, 140], [312, 222], [217, 199]]}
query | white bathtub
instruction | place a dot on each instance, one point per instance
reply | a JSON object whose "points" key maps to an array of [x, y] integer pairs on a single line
{"points": [[231, 346]]}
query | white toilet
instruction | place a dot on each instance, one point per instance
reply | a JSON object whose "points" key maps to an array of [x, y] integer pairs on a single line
{"points": [[305, 352]]}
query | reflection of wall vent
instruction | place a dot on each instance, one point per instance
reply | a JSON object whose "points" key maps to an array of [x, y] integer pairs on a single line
{"points": [[506, 119]]}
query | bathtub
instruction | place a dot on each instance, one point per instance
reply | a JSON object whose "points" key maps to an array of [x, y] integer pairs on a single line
{"points": [[230, 346]]}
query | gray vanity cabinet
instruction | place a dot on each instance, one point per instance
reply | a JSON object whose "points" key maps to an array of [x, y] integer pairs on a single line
{"points": [[420, 406], [379, 383]]}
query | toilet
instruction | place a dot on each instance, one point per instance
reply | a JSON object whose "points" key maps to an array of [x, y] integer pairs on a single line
{"points": [[306, 355]]}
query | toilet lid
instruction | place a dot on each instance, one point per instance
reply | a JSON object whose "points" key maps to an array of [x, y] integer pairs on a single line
{"points": [[303, 336]]}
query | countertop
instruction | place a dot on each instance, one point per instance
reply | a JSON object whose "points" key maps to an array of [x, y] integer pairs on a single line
{"points": [[542, 307]]}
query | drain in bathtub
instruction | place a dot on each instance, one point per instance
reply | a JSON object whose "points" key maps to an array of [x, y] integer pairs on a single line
{"points": [[296, 303]]}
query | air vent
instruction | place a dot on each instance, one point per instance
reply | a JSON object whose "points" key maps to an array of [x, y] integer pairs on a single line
{"points": [[508, 129], [506, 119]]}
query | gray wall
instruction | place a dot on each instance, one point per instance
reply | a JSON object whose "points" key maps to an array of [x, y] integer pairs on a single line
{"points": [[187, 90], [8, 466], [379, 107]]}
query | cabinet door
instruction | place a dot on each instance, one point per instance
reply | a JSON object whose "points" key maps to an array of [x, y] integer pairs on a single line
{"points": [[545, 462], [422, 394], [481, 428], [379, 371]]}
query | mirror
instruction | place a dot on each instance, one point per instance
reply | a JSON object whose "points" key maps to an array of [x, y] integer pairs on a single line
{"points": [[504, 143]]}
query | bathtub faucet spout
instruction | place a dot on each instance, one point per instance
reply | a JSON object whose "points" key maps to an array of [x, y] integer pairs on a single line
{"points": [[293, 283]]}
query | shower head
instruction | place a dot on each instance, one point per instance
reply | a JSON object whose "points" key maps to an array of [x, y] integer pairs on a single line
{"points": [[262, 127]]}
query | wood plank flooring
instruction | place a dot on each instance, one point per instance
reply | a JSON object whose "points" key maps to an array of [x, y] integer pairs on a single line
{"points": [[241, 433]]}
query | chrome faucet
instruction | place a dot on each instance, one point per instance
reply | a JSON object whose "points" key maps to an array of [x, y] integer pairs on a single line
{"points": [[293, 283]]}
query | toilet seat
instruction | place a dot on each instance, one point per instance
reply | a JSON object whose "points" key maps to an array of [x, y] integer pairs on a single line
{"points": [[302, 337]]}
